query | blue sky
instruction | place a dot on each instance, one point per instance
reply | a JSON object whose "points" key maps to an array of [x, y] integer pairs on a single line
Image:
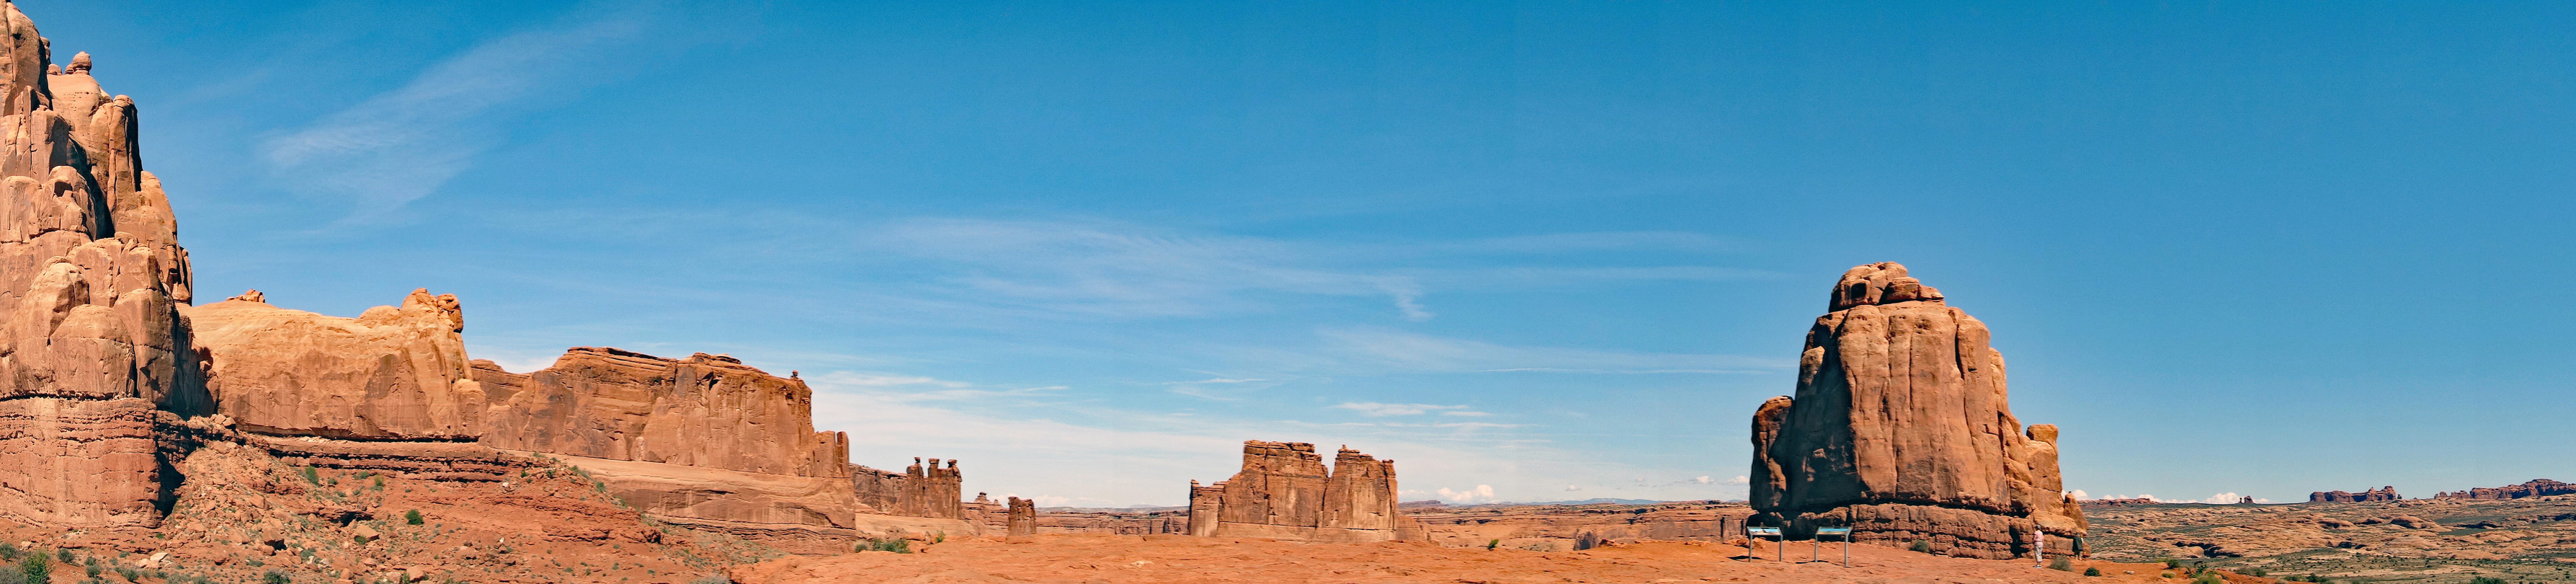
{"points": [[1530, 251]]}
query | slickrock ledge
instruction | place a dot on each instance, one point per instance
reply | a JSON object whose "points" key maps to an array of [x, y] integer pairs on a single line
{"points": [[1900, 430]]}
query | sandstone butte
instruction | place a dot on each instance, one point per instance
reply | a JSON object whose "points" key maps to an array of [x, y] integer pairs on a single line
{"points": [[1900, 431], [1285, 492], [2378, 494], [2531, 488], [110, 380]]}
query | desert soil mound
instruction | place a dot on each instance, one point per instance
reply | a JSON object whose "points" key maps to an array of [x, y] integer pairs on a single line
{"points": [[1178, 559], [2429, 541]]}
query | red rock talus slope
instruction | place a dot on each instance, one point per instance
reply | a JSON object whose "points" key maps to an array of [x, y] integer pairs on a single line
{"points": [[392, 373], [1900, 430], [91, 343], [2378, 494], [1284, 492]]}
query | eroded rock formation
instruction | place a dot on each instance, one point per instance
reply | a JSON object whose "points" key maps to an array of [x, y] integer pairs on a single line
{"points": [[2378, 494], [1023, 518], [917, 492], [1285, 492], [705, 410], [2532, 488], [392, 373], [1900, 430], [91, 275]]}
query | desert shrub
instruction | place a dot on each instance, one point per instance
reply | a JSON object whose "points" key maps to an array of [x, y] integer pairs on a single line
{"points": [[2486, 580], [713, 579], [2171, 563], [412, 517], [1493, 543], [35, 569], [276, 577], [2062, 564], [887, 544], [92, 569], [65, 554], [310, 476], [1921, 545], [2092, 571], [2208, 578], [130, 574], [941, 538]]}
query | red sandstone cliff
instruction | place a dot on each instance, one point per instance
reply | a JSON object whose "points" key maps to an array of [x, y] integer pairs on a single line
{"points": [[91, 275], [1285, 492], [917, 492], [2378, 494], [392, 373], [1900, 430], [705, 410], [2532, 488]]}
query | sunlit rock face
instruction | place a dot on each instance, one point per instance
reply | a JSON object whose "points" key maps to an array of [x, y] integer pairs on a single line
{"points": [[1900, 430], [93, 347]]}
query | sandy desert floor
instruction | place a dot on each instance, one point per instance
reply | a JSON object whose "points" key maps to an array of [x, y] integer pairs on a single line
{"points": [[1175, 559]]}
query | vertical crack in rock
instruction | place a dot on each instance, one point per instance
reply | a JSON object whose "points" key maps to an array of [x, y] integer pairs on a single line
{"points": [[1900, 429]]}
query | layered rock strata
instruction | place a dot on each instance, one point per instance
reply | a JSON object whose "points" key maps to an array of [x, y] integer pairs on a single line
{"points": [[917, 492], [2378, 494], [392, 373], [91, 276], [1285, 492], [1900, 430], [705, 411], [2532, 488]]}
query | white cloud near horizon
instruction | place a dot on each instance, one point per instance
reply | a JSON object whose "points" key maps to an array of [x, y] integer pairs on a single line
{"points": [[404, 144]]}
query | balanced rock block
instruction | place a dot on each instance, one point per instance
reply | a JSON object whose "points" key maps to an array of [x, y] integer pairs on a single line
{"points": [[1900, 431]]}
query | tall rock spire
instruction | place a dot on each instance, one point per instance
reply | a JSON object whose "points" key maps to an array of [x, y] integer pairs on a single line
{"points": [[91, 277], [1900, 430]]}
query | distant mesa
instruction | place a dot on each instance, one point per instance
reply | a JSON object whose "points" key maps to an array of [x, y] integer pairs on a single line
{"points": [[1285, 492], [2532, 488], [1900, 430], [2372, 495]]}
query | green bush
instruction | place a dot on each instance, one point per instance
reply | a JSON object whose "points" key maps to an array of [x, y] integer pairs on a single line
{"points": [[36, 569], [1923, 546], [2208, 578], [887, 544], [1493, 543], [2092, 571], [276, 577], [92, 569], [310, 476], [2486, 580], [65, 554], [2171, 563], [412, 517]]}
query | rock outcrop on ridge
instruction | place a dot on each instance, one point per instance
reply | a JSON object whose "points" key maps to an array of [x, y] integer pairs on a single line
{"points": [[2531, 488], [392, 373], [2378, 494], [1285, 492], [704, 410], [918, 491], [1901, 431], [93, 347]]}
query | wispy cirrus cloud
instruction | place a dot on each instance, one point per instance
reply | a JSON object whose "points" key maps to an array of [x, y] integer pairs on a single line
{"points": [[1379, 410], [1421, 352], [404, 144]]}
